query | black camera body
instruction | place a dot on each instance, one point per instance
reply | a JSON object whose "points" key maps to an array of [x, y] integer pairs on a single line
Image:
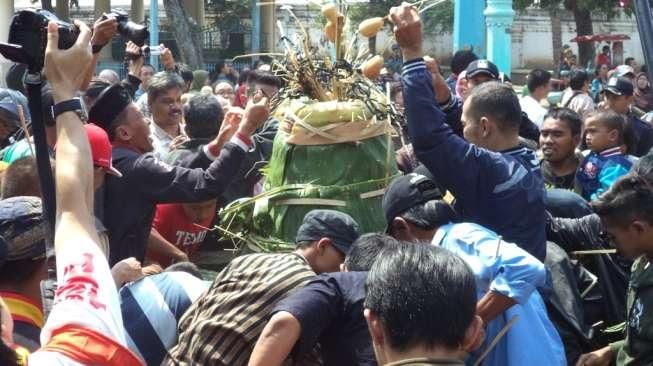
{"points": [[28, 37], [134, 32]]}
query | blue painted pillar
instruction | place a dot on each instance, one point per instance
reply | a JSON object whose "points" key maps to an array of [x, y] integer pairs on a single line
{"points": [[469, 26], [256, 27], [499, 16], [154, 31]]}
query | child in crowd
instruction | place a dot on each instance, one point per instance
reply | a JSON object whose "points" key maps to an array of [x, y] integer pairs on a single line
{"points": [[182, 228], [606, 162]]}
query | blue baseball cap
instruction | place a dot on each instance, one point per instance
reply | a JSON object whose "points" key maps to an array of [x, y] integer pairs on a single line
{"points": [[341, 228]]}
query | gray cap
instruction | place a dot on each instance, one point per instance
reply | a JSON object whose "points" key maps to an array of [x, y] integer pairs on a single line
{"points": [[335, 225], [22, 229]]}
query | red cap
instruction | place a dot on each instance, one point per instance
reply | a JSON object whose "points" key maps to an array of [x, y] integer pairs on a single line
{"points": [[100, 148]]}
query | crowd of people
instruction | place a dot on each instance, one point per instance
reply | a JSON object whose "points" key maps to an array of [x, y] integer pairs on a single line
{"points": [[519, 232]]}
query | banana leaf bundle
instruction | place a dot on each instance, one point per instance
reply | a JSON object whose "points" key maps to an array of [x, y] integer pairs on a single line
{"points": [[333, 149]]}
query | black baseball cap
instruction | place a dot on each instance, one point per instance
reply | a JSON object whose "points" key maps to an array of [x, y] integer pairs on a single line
{"points": [[480, 67], [619, 86], [22, 229], [406, 192], [341, 228]]}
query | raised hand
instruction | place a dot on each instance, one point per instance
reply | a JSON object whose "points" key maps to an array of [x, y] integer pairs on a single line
{"points": [[255, 114], [167, 60], [136, 62], [408, 30], [103, 31], [62, 67]]}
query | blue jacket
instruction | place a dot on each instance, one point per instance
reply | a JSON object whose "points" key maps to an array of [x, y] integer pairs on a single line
{"points": [[506, 269], [501, 191], [600, 170]]}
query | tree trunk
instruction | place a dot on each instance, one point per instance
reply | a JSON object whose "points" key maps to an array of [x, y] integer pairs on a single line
{"points": [[556, 35], [187, 34], [63, 10], [47, 5], [583, 20]]}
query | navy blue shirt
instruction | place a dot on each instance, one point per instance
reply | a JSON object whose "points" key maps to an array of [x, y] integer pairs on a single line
{"points": [[330, 311], [503, 191], [644, 133]]}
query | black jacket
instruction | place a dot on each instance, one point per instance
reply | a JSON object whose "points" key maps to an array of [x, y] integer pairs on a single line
{"points": [[644, 135], [255, 159], [130, 201], [612, 270], [190, 154]]}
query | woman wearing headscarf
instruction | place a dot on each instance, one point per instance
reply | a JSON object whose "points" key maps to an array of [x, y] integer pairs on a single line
{"points": [[643, 93]]}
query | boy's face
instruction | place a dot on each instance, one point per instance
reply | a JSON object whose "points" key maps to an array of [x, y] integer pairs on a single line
{"points": [[200, 211], [618, 103], [598, 137], [632, 239]]}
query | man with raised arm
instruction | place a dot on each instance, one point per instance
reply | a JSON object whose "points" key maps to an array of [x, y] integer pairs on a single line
{"points": [[497, 183], [85, 325]]}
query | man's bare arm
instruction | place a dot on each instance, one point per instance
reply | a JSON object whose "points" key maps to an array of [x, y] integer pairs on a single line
{"points": [[492, 305], [74, 169], [276, 341]]}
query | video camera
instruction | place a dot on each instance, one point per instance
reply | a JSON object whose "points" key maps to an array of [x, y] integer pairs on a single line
{"points": [[28, 35]]}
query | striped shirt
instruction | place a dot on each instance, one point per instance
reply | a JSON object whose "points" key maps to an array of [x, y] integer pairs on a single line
{"points": [[151, 308], [222, 326]]}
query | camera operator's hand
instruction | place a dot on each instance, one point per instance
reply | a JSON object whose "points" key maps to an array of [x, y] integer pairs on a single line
{"points": [[256, 113], [103, 31], [408, 30], [135, 62], [62, 67], [167, 60]]}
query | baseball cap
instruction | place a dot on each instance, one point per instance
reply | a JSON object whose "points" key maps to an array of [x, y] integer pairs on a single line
{"points": [[109, 104], [619, 86], [623, 70], [406, 192], [479, 67], [9, 102], [22, 229], [341, 228], [100, 148]]}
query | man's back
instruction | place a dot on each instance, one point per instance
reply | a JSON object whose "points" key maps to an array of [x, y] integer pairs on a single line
{"points": [[330, 311], [517, 203], [222, 326], [501, 191], [151, 308]]}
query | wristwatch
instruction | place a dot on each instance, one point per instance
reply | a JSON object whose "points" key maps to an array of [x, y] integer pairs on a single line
{"points": [[97, 48], [74, 105]]}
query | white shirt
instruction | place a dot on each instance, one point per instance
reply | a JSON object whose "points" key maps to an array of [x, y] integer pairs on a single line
{"points": [[161, 141], [87, 297], [533, 109], [141, 103]]}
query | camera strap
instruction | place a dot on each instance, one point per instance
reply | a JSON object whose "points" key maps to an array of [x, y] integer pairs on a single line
{"points": [[34, 82]]}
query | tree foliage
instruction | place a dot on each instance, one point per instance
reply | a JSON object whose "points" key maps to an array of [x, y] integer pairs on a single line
{"points": [[438, 19], [609, 8], [187, 34], [228, 11], [582, 11]]}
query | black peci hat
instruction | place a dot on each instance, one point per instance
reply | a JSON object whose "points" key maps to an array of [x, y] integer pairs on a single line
{"points": [[109, 104]]}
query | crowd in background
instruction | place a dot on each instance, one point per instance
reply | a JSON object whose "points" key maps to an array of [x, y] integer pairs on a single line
{"points": [[500, 239]]}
